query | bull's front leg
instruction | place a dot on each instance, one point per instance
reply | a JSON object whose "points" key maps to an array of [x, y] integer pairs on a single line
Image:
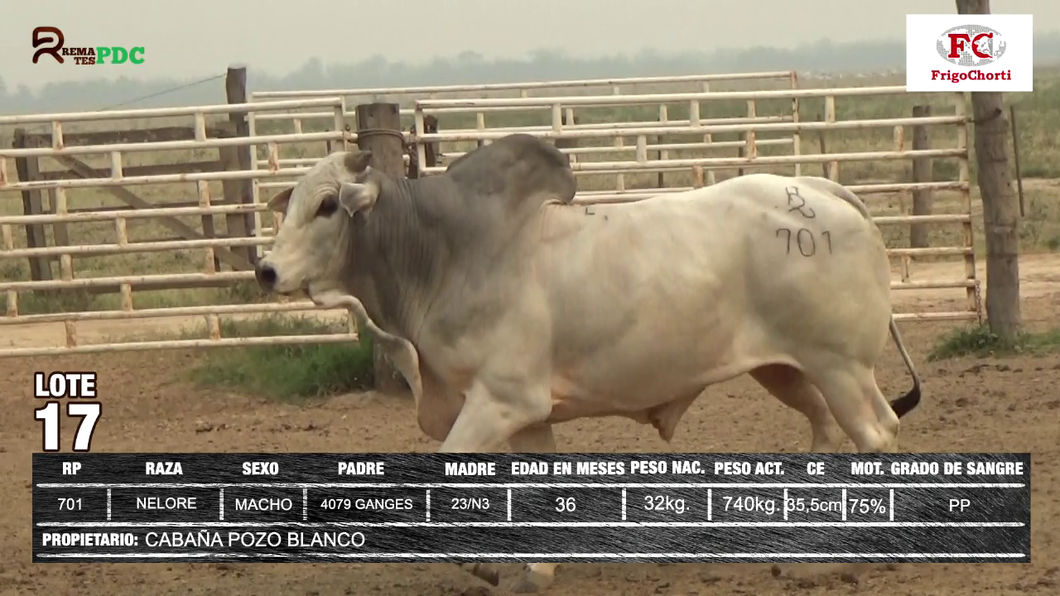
{"points": [[492, 414], [535, 439]]}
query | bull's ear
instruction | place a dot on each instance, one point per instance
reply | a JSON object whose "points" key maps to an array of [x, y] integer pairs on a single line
{"points": [[279, 202], [357, 161], [356, 197]]}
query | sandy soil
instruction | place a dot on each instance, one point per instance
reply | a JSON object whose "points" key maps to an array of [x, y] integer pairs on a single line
{"points": [[986, 405]]}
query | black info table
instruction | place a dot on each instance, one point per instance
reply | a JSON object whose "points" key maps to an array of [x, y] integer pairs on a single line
{"points": [[371, 507]]}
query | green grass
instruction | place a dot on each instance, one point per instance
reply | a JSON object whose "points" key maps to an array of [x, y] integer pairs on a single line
{"points": [[293, 372], [980, 342]]}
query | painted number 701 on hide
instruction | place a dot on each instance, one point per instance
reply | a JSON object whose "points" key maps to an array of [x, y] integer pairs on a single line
{"points": [[804, 240]]}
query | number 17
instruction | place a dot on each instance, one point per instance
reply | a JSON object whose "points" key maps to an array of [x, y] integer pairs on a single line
{"points": [[49, 416]]}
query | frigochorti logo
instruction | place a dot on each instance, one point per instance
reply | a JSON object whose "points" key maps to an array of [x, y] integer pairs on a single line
{"points": [[973, 47], [50, 41], [957, 53]]}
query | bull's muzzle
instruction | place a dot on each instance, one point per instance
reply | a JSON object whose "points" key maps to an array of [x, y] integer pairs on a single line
{"points": [[266, 276]]}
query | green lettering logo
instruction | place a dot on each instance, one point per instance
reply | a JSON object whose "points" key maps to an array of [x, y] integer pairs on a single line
{"points": [[50, 41]]}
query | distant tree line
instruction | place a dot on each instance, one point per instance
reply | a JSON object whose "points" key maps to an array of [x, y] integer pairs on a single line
{"points": [[471, 67]]}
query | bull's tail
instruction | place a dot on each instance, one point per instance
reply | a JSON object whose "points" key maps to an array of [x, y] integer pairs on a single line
{"points": [[902, 405]]}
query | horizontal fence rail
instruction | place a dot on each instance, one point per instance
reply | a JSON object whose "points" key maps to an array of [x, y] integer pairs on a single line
{"points": [[620, 149], [58, 118], [665, 165], [526, 86], [523, 89], [651, 98], [585, 132]]}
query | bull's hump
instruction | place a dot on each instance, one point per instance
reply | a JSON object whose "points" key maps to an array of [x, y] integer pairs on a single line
{"points": [[515, 169]]}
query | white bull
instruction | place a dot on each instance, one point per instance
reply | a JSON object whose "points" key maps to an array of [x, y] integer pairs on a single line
{"points": [[508, 309]]}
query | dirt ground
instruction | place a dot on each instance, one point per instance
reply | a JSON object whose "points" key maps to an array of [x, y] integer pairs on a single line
{"points": [[1010, 405]]}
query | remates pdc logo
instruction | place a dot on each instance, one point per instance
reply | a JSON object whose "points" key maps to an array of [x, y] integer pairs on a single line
{"points": [[972, 46]]}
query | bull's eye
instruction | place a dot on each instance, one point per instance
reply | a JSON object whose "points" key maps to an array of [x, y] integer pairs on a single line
{"points": [[328, 206]]}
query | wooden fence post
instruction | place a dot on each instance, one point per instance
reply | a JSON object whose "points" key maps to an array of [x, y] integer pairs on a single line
{"points": [[822, 142], [567, 143], [1016, 158], [660, 181], [379, 131], [28, 168], [431, 150], [234, 193], [922, 172], [245, 157], [831, 169], [1000, 210]]}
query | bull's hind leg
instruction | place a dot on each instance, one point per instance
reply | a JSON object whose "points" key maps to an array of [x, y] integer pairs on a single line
{"points": [[794, 389], [535, 439], [884, 413], [854, 399]]}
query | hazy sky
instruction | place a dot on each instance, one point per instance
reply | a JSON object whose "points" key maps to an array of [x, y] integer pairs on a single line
{"points": [[193, 38]]}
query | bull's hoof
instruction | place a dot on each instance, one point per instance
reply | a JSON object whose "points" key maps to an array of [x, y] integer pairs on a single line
{"points": [[486, 572], [532, 582]]}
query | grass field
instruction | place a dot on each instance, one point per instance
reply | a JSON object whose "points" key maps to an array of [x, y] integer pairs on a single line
{"points": [[1039, 123]]}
